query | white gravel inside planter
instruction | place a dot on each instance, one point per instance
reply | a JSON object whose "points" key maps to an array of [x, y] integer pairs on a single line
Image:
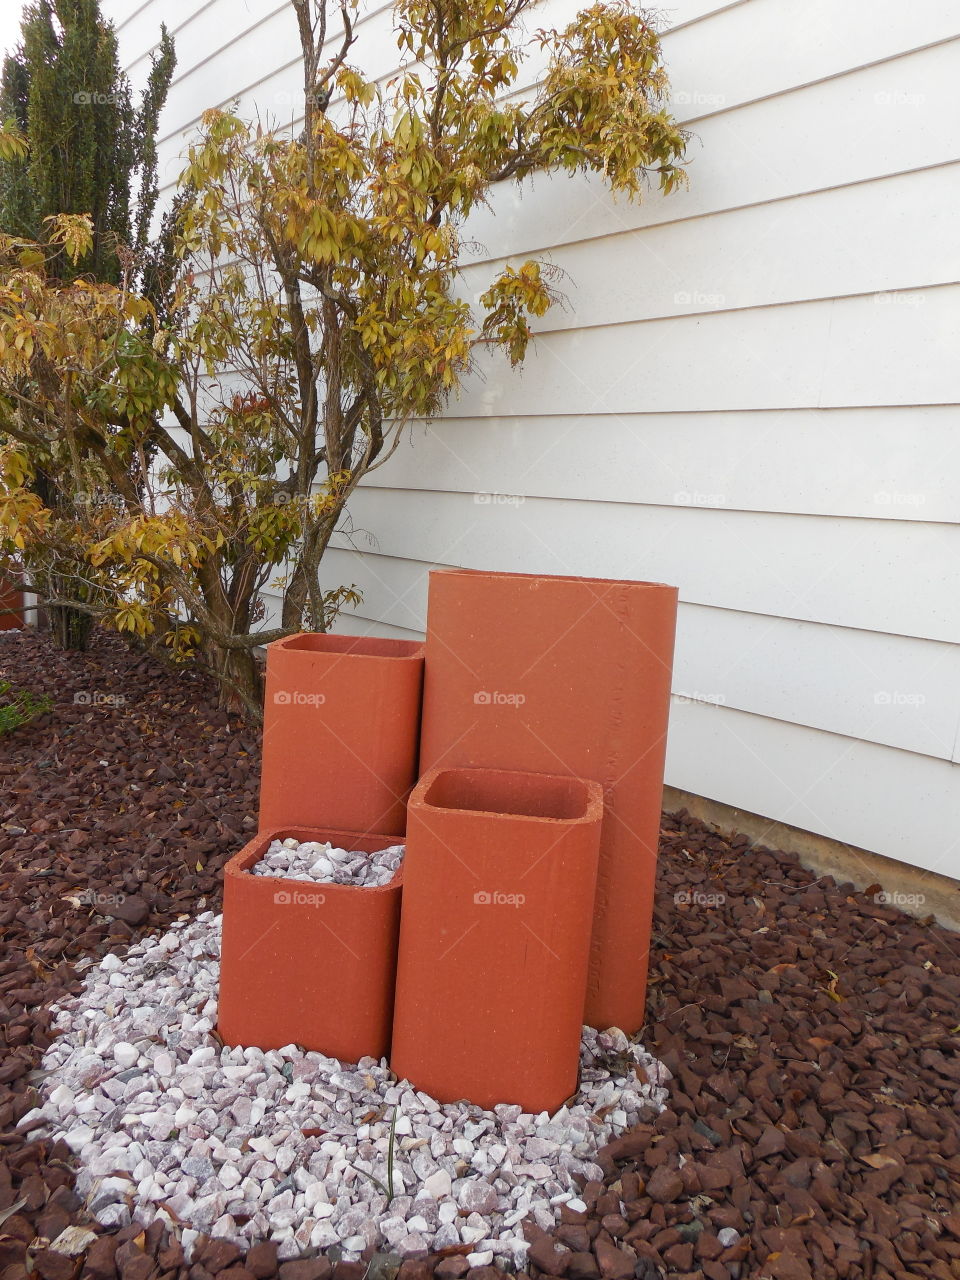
{"points": [[327, 864], [289, 1145]]}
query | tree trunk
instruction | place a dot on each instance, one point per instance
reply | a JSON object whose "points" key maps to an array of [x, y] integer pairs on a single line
{"points": [[70, 628], [240, 675]]}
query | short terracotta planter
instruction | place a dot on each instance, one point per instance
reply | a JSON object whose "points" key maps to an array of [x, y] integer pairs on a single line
{"points": [[340, 733], [565, 675], [499, 877], [308, 964]]}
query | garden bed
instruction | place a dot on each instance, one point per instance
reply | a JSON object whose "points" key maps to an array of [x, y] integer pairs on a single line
{"points": [[811, 1127]]}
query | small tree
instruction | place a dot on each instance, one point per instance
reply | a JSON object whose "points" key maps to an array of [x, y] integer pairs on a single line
{"points": [[87, 150], [315, 315]]}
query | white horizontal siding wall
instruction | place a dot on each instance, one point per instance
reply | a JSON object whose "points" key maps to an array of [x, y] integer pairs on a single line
{"points": [[752, 394]]}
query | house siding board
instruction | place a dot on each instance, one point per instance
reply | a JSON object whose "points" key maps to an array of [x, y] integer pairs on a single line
{"points": [[753, 394]]}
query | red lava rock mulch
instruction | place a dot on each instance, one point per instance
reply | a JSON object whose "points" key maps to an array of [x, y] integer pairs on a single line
{"points": [[813, 1034]]}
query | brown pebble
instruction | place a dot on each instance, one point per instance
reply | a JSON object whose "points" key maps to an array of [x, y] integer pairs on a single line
{"points": [[452, 1268], [582, 1266], [306, 1269], [410, 1269], [216, 1255], [614, 1263], [100, 1262], [664, 1185], [262, 1260], [140, 1267], [52, 1266], [544, 1254], [357, 1271], [576, 1238]]}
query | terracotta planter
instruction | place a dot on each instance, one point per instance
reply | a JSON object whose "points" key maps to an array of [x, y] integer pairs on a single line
{"points": [[341, 726], [308, 964], [499, 876], [565, 675], [11, 605]]}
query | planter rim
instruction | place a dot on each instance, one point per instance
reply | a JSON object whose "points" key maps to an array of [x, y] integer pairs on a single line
{"points": [[241, 862], [586, 794], [322, 642], [553, 577]]}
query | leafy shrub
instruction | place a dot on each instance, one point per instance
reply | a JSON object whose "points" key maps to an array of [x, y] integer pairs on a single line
{"points": [[20, 706]]}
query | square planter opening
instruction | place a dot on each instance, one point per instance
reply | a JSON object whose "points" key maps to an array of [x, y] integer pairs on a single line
{"points": [[510, 794], [365, 646], [305, 963]]}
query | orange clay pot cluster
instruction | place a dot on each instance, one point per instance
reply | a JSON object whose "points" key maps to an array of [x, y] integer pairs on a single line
{"points": [[539, 708]]}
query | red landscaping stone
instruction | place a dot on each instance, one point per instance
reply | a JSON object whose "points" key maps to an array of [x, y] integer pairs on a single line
{"points": [[582, 1266], [262, 1260], [544, 1254], [452, 1268], [614, 1263], [306, 1269], [664, 1185]]}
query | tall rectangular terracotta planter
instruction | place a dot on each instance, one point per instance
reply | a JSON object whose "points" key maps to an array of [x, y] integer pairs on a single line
{"points": [[308, 964], [499, 876], [572, 676], [340, 734]]}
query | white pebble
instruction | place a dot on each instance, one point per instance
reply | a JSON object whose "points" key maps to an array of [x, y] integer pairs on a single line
{"points": [[205, 1136], [124, 1054]]}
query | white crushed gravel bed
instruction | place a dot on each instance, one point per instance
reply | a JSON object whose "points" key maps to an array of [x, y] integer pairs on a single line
{"points": [[327, 864], [293, 1146]]}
